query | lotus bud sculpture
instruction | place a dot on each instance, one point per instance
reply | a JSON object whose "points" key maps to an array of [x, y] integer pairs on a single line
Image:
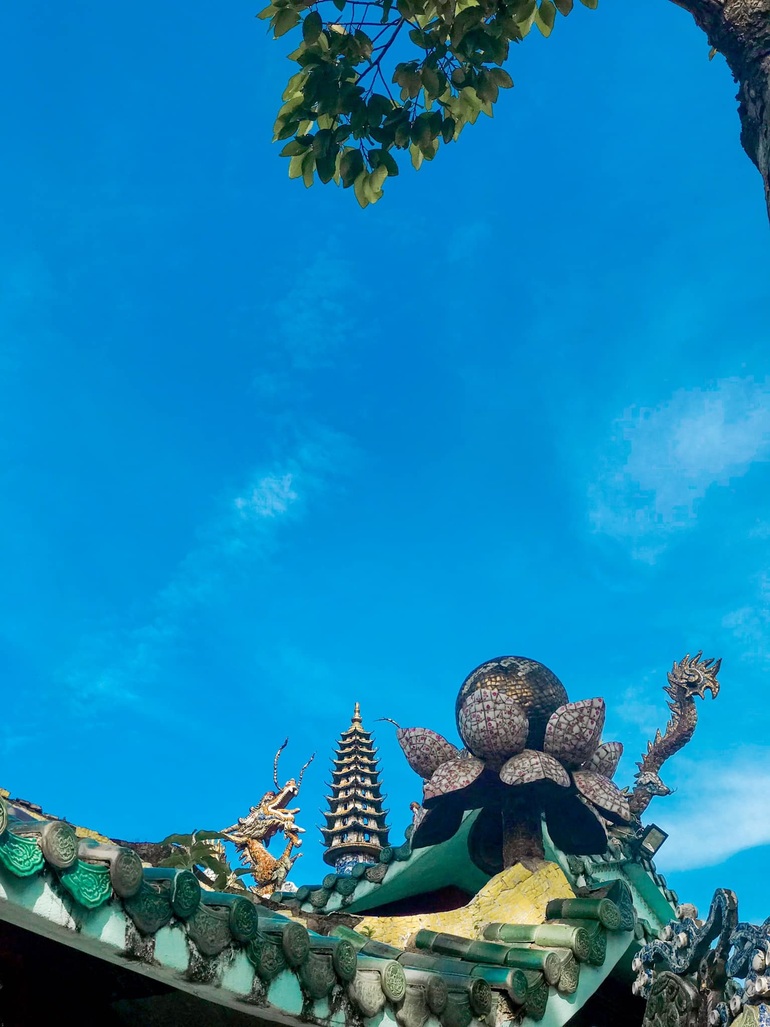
{"points": [[529, 753]]}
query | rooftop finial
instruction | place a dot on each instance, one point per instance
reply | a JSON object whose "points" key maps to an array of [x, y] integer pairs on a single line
{"points": [[357, 713]]}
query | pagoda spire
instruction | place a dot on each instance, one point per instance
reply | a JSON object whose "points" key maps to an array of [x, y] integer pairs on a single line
{"points": [[355, 828]]}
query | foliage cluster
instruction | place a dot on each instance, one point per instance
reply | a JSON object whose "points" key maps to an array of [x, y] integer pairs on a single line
{"points": [[203, 854], [340, 116]]}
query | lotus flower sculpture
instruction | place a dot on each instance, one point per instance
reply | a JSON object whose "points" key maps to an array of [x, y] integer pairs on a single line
{"points": [[529, 753]]}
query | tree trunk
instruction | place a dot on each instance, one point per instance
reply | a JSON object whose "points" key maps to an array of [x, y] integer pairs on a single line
{"points": [[755, 120], [740, 30]]}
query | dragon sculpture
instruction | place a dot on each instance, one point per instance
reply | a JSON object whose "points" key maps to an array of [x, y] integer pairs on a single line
{"points": [[686, 680], [706, 973], [251, 835]]}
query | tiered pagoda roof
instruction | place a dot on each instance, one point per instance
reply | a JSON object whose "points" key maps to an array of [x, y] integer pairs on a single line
{"points": [[355, 830]]}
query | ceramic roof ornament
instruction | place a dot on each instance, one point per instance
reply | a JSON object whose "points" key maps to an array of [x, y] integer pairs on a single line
{"points": [[271, 816], [687, 680], [529, 753]]}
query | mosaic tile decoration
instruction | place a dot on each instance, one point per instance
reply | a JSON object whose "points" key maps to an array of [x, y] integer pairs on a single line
{"points": [[603, 794], [492, 724], [425, 750], [452, 776], [574, 730], [606, 758], [530, 766]]}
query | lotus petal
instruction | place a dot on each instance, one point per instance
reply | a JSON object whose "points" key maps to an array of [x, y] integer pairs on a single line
{"points": [[492, 724], [425, 750], [574, 730], [530, 766], [604, 795], [574, 827], [451, 777], [436, 826], [606, 758]]}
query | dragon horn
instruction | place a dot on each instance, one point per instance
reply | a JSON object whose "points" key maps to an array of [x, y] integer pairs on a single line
{"points": [[389, 721], [275, 762], [302, 772]]}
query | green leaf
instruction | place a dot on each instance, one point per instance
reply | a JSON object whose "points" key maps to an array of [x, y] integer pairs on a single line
{"points": [[308, 166], [383, 159], [365, 46], [293, 149], [325, 166], [339, 4], [359, 188], [378, 107], [178, 861], [374, 183], [401, 138], [422, 130], [431, 82], [268, 12], [177, 839], [593, 4], [311, 27], [464, 22], [525, 17], [501, 77], [284, 21], [351, 166], [448, 130], [322, 142], [295, 166], [486, 87], [564, 6], [546, 17], [418, 37], [285, 131]]}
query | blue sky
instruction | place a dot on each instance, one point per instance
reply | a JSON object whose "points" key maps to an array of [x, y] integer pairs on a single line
{"points": [[264, 454]]}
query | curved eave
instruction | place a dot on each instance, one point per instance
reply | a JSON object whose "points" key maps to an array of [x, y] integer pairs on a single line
{"points": [[353, 811], [355, 825], [332, 856], [352, 803]]}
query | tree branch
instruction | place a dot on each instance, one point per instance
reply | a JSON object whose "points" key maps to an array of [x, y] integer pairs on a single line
{"points": [[708, 14]]}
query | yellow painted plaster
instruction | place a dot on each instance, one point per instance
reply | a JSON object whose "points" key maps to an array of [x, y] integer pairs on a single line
{"points": [[516, 896]]}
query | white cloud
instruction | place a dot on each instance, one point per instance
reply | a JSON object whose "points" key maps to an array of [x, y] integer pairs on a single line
{"points": [[663, 461], [720, 810], [643, 714], [120, 665], [750, 624], [272, 495], [318, 314]]}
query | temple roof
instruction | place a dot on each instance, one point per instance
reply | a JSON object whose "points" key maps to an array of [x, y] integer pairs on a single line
{"points": [[263, 962]]}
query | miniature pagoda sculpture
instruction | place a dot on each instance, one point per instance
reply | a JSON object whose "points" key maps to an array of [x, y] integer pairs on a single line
{"points": [[531, 755], [271, 816], [355, 829]]}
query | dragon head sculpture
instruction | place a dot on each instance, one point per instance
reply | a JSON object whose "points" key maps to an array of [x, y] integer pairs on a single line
{"points": [[692, 676], [687, 681]]}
